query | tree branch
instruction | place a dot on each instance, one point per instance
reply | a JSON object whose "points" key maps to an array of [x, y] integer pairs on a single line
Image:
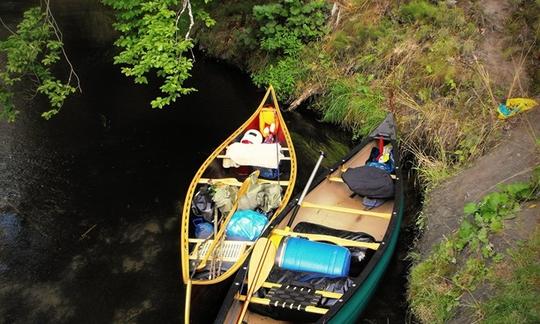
{"points": [[52, 22], [186, 4], [6, 26]]}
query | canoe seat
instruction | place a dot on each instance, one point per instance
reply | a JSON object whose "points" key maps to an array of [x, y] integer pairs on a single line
{"points": [[229, 251]]}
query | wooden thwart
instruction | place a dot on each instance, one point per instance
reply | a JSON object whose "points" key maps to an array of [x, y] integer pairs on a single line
{"points": [[266, 301], [286, 158], [347, 210], [235, 182]]}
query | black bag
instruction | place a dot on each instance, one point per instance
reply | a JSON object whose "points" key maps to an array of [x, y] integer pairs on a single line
{"points": [[202, 204], [369, 182]]}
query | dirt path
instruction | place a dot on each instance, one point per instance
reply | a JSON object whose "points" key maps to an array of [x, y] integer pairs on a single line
{"points": [[491, 50], [513, 159]]}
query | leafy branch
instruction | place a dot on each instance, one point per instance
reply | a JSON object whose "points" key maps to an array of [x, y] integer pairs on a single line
{"points": [[150, 43], [31, 51]]}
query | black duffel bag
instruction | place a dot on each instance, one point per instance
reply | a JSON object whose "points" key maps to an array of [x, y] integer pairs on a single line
{"points": [[369, 182]]}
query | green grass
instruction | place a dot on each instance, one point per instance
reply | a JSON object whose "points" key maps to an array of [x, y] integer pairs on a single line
{"points": [[516, 280], [461, 262], [414, 58], [353, 103]]}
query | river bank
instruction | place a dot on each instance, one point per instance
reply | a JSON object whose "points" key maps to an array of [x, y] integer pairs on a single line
{"points": [[442, 69]]}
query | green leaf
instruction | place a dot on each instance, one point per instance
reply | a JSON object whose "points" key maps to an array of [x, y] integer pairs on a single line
{"points": [[470, 208]]}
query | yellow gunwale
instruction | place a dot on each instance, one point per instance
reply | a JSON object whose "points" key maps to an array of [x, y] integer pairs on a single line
{"points": [[184, 229]]}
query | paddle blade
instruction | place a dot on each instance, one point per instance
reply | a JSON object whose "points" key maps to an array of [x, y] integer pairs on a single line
{"points": [[261, 263]]}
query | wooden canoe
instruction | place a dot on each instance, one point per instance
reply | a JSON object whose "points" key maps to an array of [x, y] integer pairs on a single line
{"points": [[199, 255], [330, 203]]}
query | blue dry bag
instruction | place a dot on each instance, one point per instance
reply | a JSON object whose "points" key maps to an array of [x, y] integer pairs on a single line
{"points": [[246, 225], [203, 229]]}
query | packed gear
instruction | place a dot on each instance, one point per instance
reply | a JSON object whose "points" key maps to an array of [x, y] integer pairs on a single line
{"points": [[263, 196], [252, 136], [246, 225], [224, 197], [268, 124], [382, 157], [203, 229], [202, 204], [257, 155], [369, 181]]}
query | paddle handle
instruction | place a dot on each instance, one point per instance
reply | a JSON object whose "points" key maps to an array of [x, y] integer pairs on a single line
{"points": [[187, 305], [306, 189]]}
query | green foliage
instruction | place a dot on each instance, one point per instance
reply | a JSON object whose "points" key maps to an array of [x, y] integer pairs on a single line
{"points": [[514, 298], [523, 36], [282, 75], [433, 296], [355, 103], [151, 42], [289, 24], [418, 10], [284, 29], [32, 51]]}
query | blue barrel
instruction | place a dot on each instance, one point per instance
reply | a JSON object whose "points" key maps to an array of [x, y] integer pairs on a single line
{"points": [[299, 254]]}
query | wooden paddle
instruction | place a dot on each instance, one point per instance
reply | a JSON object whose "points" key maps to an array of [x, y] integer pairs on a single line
{"points": [[306, 189], [241, 192], [260, 264]]}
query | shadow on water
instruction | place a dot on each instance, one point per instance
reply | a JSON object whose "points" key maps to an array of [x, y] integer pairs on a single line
{"points": [[89, 201]]}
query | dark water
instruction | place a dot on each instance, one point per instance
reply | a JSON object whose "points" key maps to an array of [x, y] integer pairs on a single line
{"points": [[89, 201]]}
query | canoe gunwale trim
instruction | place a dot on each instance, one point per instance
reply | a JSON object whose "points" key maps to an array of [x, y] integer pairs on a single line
{"points": [[395, 220], [388, 240], [184, 229]]}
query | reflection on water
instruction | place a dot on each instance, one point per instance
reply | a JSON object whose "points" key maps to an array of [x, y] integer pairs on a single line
{"points": [[89, 200], [10, 227]]}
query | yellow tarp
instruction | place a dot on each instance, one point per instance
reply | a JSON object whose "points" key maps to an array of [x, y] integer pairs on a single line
{"points": [[514, 106]]}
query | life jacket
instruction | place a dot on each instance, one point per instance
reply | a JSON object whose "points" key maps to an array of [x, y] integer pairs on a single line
{"points": [[268, 123]]}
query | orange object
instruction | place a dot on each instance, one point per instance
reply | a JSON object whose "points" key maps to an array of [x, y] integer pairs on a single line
{"points": [[268, 123]]}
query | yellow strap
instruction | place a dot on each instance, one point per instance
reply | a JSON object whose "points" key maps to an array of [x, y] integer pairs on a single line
{"points": [[235, 182], [286, 158], [339, 179], [335, 179], [266, 301], [346, 210], [328, 238]]}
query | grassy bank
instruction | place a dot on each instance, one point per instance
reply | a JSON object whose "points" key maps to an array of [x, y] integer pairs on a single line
{"points": [[418, 59], [428, 63], [468, 261]]}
